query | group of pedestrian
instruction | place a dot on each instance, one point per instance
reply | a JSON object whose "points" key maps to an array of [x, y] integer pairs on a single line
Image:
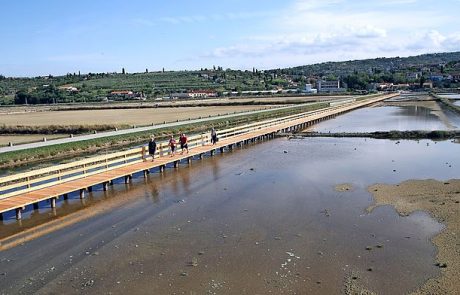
{"points": [[183, 141]]}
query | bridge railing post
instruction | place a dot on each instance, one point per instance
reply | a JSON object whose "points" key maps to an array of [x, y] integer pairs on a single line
{"points": [[143, 153]]}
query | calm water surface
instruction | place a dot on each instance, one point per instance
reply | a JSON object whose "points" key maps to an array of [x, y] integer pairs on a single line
{"points": [[450, 96], [263, 219], [387, 118]]}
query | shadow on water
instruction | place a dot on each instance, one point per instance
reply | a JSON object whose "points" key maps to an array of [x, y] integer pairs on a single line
{"points": [[262, 219]]}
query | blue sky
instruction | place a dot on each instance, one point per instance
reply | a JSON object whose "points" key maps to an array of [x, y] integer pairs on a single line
{"points": [[40, 37]]}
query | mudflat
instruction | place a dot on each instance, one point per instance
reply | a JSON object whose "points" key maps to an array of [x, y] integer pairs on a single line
{"points": [[253, 221], [441, 200]]}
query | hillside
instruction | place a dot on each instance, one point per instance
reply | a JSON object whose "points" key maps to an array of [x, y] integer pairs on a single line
{"points": [[355, 75], [412, 63]]}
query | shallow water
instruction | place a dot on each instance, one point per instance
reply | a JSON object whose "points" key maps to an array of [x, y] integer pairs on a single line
{"points": [[387, 118], [257, 220], [450, 96]]}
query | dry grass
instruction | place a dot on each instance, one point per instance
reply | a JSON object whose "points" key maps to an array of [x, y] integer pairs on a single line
{"points": [[18, 139], [118, 116]]}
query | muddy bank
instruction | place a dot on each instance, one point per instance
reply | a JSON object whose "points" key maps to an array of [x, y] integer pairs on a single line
{"points": [[441, 200], [343, 187], [253, 221]]}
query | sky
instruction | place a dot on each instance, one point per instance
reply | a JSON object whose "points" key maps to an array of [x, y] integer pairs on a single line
{"points": [[41, 37]]}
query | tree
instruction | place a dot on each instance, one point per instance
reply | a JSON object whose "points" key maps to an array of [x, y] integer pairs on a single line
{"points": [[422, 81], [123, 71]]}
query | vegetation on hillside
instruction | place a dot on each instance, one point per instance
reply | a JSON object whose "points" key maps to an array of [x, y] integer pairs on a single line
{"points": [[355, 75]]}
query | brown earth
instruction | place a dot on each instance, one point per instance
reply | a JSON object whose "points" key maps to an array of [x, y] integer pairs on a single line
{"points": [[441, 200], [119, 116], [170, 103]]}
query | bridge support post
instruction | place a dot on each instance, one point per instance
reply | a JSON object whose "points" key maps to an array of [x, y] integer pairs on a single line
{"points": [[19, 213], [82, 193], [1, 217], [200, 156], [128, 178], [35, 206], [105, 186], [65, 196], [146, 172], [176, 164], [189, 160], [212, 152], [90, 188], [222, 150], [162, 168], [53, 202]]}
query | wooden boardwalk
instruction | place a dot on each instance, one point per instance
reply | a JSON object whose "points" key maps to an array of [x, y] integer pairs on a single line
{"points": [[29, 188]]}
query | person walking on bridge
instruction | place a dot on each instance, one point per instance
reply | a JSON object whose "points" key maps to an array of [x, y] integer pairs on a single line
{"points": [[213, 136], [172, 145], [183, 143], [152, 147]]}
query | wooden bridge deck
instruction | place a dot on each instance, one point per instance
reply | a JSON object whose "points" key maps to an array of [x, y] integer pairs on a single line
{"points": [[85, 183]]}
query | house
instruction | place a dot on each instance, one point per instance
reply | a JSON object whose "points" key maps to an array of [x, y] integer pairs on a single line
{"points": [[69, 88], [179, 95], [308, 89], [325, 86], [436, 77], [385, 86], [455, 77], [413, 76], [126, 94], [202, 93], [194, 94], [428, 85]]}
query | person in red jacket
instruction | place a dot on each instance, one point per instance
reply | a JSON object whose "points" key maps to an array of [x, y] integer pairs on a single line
{"points": [[183, 143], [172, 145]]}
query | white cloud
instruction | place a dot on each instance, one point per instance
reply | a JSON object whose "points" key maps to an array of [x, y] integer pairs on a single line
{"points": [[311, 31], [433, 40]]}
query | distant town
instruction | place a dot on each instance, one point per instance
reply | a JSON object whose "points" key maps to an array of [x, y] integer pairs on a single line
{"points": [[425, 72]]}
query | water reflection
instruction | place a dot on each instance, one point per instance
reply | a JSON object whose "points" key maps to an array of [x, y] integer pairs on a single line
{"points": [[391, 117], [245, 210]]}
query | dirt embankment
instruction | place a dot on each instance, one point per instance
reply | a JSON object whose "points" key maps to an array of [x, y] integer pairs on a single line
{"points": [[441, 200]]}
